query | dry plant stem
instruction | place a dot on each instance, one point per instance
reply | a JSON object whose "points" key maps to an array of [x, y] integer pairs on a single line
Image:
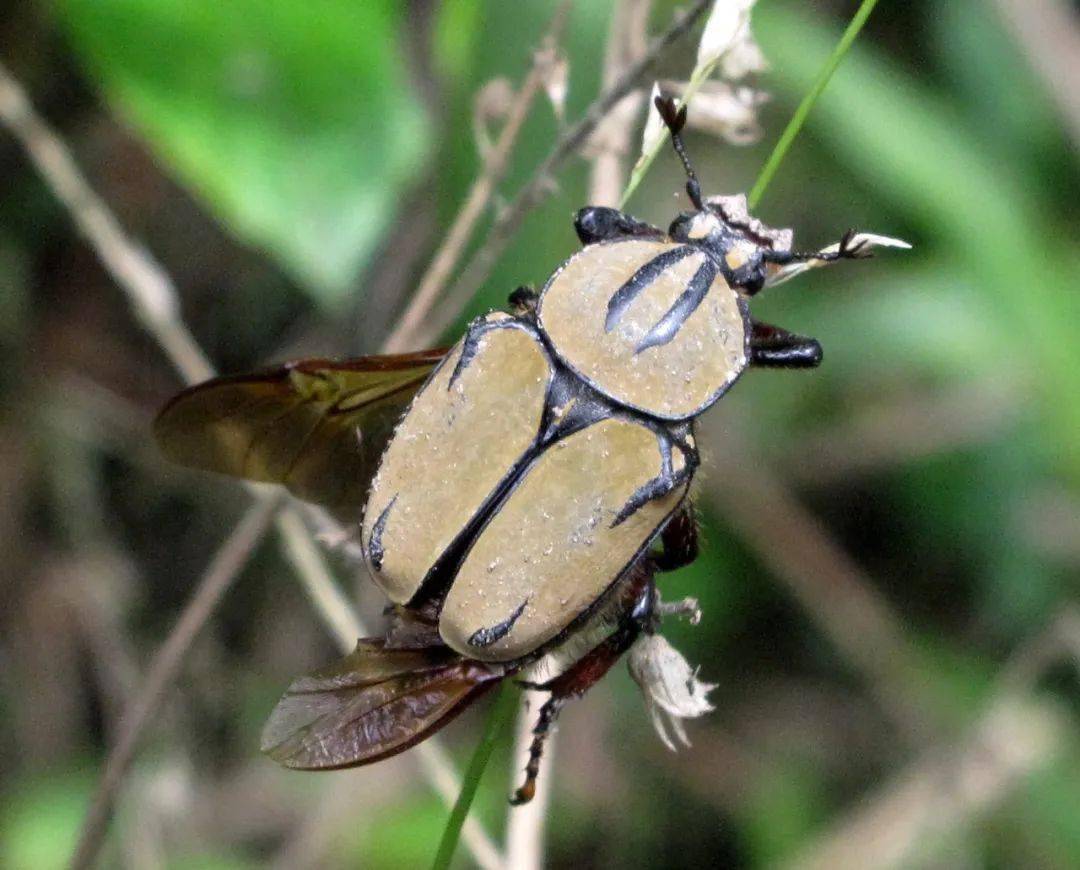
{"points": [[948, 788], [540, 185], [164, 668], [627, 42], [154, 299], [906, 429], [340, 617], [151, 290], [525, 824], [403, 337]]}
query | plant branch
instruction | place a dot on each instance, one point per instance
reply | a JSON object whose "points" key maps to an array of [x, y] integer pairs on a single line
{"points": [[151, 290], [496, 162], [164, 668], [539, 187]]}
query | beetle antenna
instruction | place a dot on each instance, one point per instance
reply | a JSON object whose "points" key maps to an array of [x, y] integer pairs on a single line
{"points": [[675, 119]]}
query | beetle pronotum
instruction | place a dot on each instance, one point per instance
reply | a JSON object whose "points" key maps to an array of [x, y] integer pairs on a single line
{"points": [[519, 493]]}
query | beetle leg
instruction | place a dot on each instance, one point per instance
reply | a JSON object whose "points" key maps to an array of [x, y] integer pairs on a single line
{"points": [[548, 714], [589, 669], [597, 223], [847, 251], [773, 347], [523, 300], [679, 539]]}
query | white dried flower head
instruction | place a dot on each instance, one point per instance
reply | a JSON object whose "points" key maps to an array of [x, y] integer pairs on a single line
{"points": [[865, 240], [725, 110], [727, 30], [671, 687], [554, 70]]}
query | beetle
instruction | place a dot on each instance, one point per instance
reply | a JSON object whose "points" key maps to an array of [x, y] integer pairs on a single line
{"points": [[518, 493]]}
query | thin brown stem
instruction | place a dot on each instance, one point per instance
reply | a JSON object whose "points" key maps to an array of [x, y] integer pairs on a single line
{"points": [[540, 186], [164, 668], [951, 786], [151, 290], [497, 160]]}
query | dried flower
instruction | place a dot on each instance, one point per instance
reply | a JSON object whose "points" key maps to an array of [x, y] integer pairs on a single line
{"points": [[726, 31], [671, 687]]}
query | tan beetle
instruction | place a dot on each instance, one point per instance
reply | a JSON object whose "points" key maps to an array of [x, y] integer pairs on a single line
{"points": [[519, 492]]}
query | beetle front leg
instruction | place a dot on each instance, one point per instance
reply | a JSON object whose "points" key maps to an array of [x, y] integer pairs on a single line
{"points": [[846, 251], [597, 223], [773, 347]]}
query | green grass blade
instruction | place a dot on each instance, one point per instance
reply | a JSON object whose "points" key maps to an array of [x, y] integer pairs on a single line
{"points": [[500, 715], [801, 113]]}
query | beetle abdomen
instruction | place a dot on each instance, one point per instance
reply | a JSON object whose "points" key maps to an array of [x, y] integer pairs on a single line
{"points": [[580, 514], [465, 433], [650, 324]]}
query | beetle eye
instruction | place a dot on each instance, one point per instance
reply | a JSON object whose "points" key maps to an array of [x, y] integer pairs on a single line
{"points": [[680, 227]]}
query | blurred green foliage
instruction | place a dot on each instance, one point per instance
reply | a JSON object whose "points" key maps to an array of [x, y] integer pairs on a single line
{"points": [[294, 121]]}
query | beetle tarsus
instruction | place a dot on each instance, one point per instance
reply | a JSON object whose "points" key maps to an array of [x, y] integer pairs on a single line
{"points": [[548, 714], [846, 251]]}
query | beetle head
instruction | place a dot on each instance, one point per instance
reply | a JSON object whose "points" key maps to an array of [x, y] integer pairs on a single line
{"points": [[722, 225]]}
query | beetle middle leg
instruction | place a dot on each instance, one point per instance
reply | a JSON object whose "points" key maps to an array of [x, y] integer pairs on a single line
{"points": [[597, 223], [773, 347]]}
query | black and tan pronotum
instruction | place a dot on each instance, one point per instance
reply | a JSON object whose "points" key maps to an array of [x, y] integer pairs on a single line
{"points": [[519, 492]]}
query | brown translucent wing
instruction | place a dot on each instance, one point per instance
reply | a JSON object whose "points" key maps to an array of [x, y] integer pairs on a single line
{"points": [[372, 704], [317, 426]]}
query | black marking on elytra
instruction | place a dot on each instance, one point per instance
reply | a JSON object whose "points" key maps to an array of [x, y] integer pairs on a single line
{"points": [[665, 482], [487, 636], [375, 544], [469, 348], [669, 325], [659, 486], [622, 298]]}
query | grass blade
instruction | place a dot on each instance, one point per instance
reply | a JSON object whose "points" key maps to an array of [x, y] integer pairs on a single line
{"points": [[498, 718], [801, 113]]}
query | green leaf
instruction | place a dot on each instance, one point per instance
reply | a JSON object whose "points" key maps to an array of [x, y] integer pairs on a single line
{"points": [[294, 122]]}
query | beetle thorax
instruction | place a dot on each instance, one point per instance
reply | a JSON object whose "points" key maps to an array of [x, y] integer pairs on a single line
{"points": [[651, 324]]}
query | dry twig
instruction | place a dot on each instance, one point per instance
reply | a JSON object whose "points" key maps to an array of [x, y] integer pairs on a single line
{"points": [[539, 187], [627, 42], [823, 578], [405, 335], [949, 787], [164, 669]]}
